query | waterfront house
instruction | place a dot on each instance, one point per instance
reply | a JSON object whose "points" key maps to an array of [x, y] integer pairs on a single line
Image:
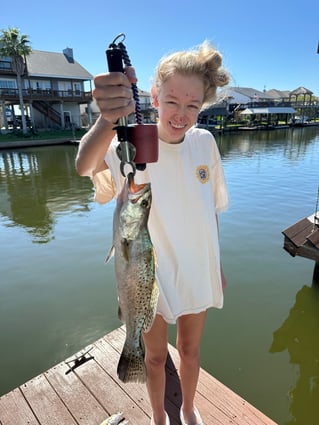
{"points": [[243, 104], [279, 95], [53, 90], [231, 101], [149, 113], [245, 95]]}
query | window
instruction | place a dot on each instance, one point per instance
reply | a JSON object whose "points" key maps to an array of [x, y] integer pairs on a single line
{"points": [[40, 84], [65, 88], [8, 84], [8, 87], [77, 89], [5, 63]]}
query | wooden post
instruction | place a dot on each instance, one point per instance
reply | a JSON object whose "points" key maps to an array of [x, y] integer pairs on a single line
{"points": [[4, 114]]}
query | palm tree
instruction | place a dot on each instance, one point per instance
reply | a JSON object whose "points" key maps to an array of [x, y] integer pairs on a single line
{"points": [[16, 46]]}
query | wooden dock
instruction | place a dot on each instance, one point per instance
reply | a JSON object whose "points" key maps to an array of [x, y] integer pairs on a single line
{"points": [[29, 143], [87, 391], [302, 238]]}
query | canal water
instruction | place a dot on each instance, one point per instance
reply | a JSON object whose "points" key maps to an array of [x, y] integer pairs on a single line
{"points": [[57, 295]]}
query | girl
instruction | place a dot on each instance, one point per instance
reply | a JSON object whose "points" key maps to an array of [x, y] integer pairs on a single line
{"points": [[188, 190]]}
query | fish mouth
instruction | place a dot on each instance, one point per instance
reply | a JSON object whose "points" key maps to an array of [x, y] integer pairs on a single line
{"points": [[136, 188], [137, 191]]}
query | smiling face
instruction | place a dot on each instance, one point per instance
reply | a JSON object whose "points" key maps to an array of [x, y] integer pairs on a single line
{"points": [[178, 101]]}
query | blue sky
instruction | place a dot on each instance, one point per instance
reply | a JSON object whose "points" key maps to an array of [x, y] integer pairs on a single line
{"points": [[265, 44]]}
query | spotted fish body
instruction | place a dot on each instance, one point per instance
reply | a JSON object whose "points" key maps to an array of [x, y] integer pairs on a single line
{"points": [[134, 260]]}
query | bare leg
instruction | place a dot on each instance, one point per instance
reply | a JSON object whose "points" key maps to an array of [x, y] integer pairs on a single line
{"points": [[155, 358], [189, 332]]}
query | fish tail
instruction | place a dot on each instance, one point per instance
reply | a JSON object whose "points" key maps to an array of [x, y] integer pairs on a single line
{"points": [[131, 366]]}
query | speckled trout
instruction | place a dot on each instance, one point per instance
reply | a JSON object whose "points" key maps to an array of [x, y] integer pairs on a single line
{"points": [[134, 260]]}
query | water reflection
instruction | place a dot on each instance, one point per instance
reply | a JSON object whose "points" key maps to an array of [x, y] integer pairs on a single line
{"points": [[37, 185], [294, 142], [297, 336]]}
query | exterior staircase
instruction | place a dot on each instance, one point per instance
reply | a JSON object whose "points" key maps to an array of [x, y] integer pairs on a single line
{"points": [[46, 109]]}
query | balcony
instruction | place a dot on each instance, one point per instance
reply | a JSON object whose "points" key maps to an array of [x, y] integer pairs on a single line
{"points": [[48, 95]]}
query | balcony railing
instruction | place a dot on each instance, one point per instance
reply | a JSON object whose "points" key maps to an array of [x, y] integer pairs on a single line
{"points": [[46, 94]]}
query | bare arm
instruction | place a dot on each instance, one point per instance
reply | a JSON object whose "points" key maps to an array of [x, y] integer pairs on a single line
{"points": [[114, 97], [93, 148]]}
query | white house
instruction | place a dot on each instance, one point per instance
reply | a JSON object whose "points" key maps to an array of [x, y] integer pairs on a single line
{"points": [[244, 95], [53, 89]]}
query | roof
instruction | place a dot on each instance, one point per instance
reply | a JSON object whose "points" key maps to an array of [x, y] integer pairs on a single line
{"points": [[56, 65], [250, 92], [143, 93], [270, 110], [301, 90], [215, 110], [278, 94]]}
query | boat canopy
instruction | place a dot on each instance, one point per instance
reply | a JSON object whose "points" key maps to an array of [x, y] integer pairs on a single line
{"points": [[270, 110]]}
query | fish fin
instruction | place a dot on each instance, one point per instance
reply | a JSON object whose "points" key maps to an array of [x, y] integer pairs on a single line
{"points": [[155, 257], [120, 315], [151, 313], [110, 254], [131, 366], [125, 249]]}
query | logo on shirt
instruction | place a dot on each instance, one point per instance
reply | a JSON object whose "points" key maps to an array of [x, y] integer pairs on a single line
{"points": [[202, 173]]}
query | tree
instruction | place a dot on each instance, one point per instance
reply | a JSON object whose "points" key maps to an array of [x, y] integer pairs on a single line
{"points": [[16, 46]]}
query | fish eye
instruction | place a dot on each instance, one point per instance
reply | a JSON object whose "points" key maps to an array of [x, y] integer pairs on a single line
{"points": [[144, 203]]}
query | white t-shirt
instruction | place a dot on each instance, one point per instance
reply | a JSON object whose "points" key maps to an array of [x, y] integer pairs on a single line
{"points": [[188, 189]]}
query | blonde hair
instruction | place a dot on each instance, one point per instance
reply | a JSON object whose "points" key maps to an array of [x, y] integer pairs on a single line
{"points": [[204, 61]]}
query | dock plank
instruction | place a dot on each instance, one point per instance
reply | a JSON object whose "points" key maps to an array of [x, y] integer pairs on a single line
{"points": [[213, 396], [301, 237], [92, 391], [45, 403], [15, 410], [296, 228], [173, 398], [137, 391], [235, 410], [77, 398], [314, 238], [103, 354], [106, 389]]}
